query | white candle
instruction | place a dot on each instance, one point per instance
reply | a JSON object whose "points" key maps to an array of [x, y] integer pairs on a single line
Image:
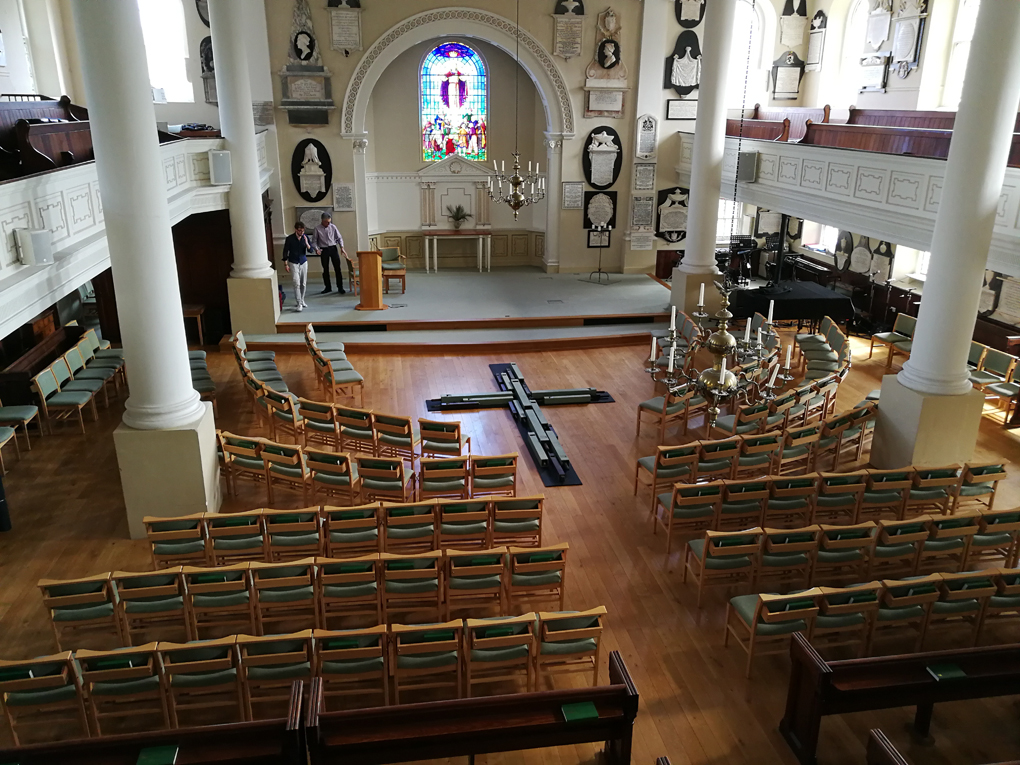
{"points": [[775, 374], [759, 337], [672, 318], [772, 304], [529, 167], [536, 169], [655, 350], [495, 165], [722, 374], [701, 294], [789, 351], [672, 350], [532, 188], [503, 165], [747, 332]]}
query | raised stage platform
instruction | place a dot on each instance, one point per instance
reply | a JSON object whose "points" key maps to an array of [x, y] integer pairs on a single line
{"points": [[512, 309]]}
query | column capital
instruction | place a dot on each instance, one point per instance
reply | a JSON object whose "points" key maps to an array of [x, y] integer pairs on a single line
{"points": [[360, 145], [553, 145]]}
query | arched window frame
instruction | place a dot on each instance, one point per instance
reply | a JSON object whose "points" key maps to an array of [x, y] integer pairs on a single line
{"points": [[485, 73], [162, 51], [761, 58], [959, 52]]}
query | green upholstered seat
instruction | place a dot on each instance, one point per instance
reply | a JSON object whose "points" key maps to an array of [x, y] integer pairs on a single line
{"points": [[976, 489], [955, 606], [1004, 601], [287, 594], [894, 551], [1006, 390], [178, 547], [463, 527], [745, 605], [718, 562], [448, 485], [839, 621], [70, 398], [783, 560], [348, 376], [713, 466], [413, 531], [39, 698], [485, 581], [943, 545], [509, 527], [992, 540], [427, 660], [754, 460], [259, 355], [726, 423], [17, 413], [537, 579], [126, 687], [740, 508], [412, 586], [509, 653], [498, 482], [836, 500], [352, 537], [567, 647], [883, 497], [237, 543], [886, 614], [656, 404], [82, 613], [353, 590], [224, 600], [205, 679], [839, 556], [294, 539], [353, 667], [154, 605], [794, 503], [890, 337], [928, 494]]}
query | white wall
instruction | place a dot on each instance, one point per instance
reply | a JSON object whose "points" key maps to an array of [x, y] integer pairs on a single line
{"points": [[16, 76]]}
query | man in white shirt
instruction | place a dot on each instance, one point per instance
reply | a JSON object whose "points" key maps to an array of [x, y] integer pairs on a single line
{"points": [[329, 244]]}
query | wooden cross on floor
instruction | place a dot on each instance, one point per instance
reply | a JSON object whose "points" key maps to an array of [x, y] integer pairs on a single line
{"points": [[539, 436]]}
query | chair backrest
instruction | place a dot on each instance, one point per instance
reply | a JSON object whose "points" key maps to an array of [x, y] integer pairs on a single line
{"points": [[420, 567], [1000, 521], [968, 585], [239, 342], [904, 324], [904, 532], [328, 465], [284, 456], [725, 448], [796, 486], [241, 446], [964, 523], [567, 626], [443, 468], [497, 466], [74, 360], [123, 666], [352, 648], [976, 354], [795, 607], [393, 426], [804, 539], [890, 480], [983, 472], [843, 483], [436, 431], [916, 591], [729, 543], [801, 436], [742, 490], [315, 411], [46, 384], [390, 254], [410, 640], [485, 638], [85, 592], [303, 522], [927, 478], [61, 371], [672, 457], [477, 563], [694, 494], [855, 599], [381, 469], [247, 524], [85, 349], [999, 362], [165, 586], [92, 339], [279, 652], [287, 576], [857, 536], [210, 659], [216, 581], [396, 514], [281, 404], [359, 419], [38, 675]]}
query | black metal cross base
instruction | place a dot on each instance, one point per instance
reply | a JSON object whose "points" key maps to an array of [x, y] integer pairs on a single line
{"points": [[547, 452]]}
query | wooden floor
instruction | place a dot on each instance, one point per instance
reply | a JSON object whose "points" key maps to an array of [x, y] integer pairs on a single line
{"points": [[696, 706]]}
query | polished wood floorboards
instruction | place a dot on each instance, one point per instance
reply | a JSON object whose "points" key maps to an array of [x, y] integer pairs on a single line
{"points": [[696, 706]]}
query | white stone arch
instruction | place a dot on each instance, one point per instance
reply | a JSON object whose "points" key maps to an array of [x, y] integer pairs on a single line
{"points": [[458, 22]]}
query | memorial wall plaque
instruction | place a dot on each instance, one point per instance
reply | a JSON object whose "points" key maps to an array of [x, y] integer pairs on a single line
{"points": [[641, 241], [343, 197], [647, 136], [568, 35], [345, 29], [642, 211], [672, 214], [573, 195], [602, 157], [599, 209], [644, 176]]}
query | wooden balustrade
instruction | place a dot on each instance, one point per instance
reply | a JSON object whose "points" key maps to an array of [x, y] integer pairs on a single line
{"points": [[762, 130]]}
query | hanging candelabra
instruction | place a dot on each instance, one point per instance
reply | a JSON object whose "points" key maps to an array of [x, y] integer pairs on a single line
{"points": [[518, 195]]}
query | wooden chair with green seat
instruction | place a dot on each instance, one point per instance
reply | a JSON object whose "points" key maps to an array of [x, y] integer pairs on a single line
{"points": [[933, 491], [475, 578], [443, 477], [670, 409], [339, 382], [517, 520], [101, 347], [351, 532], [182, 541], [568, 642], [962, 601], [499, 650], [442, 439], [948, 542], [353, 663], [332, 353], [286, 466], [284, 592], [839, 497], [285, 418], [903, 329], [394, 266], [235, 537], [44, 691], [688, 509], [94, 358], [105, 375], [123, 684], [219, 600], [292, 534], [395, 437], [669, 465], [820, 401], [844, 552], [7, 435], [997, 539], [333, 476], [978, 484], [791, 502], [151, 602], [904, 607], [787, 558], [845, 616], [830, 442], [346, 588], [885, 494], [412, 583], [723, 559], [312, 339], [464, 524], [242, 459], [783, 409], [353, 277], [762, 624], [897, 547], [320, 424], [743, 504], [1003, 607], [60, 404], [996, 368], [865, 416], [758, 455], [268, 666], [493, 475], [426, 656], [84, 606], [201, 676], [717, 460], [537, 574], [800, 447], [747, 419], [410, 527], [356, 431], [1006, 395], [19, 416]]}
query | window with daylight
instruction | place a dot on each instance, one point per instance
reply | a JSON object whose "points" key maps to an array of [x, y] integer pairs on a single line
{"points": [[166, 48], [746, 75], [454, 103], [963, 34], [731, 221]]}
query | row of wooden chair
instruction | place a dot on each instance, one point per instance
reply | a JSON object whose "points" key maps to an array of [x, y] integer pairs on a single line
{"points": [[72, 382], [801, 557], [361, 478], [251, 596], [217, 539], [837, 498], [858, 616], [334, 373], [248, 677]]}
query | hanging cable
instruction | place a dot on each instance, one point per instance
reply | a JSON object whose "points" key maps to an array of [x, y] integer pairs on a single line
{"points": [[517, 82], [743, 109]]}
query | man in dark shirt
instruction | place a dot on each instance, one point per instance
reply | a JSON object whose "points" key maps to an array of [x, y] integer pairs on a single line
{"points": [[295, 256]]}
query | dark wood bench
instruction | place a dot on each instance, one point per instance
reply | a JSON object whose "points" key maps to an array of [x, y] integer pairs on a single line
{"points": [[263, 742], [467, 727], [50, 145], [799, 117], [762, 130], [16, 378], [907, 118], [919, 142], [819, 688], [14, 108]]}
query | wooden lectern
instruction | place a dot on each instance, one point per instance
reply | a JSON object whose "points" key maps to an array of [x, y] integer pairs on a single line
{"points": [[370, 276]]}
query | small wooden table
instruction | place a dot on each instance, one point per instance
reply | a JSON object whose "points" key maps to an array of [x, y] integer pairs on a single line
{"points": [[483, 237], [195, 311]]}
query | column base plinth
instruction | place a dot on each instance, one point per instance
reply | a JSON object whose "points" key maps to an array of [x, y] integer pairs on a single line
{"points": [[168, 472], [254, 305], [923, 428], [686, 286]]}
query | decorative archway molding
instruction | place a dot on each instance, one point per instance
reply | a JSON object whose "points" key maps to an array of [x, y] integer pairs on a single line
{"points": [[458, 22]]}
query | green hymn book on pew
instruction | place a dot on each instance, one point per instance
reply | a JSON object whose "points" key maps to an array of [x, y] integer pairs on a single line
{"points": [[945, 671], [158, 755], [584, 710]]}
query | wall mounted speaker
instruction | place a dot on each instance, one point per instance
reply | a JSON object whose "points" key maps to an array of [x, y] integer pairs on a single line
{"points": [[219, 168], [747, 166], [35, 246]]}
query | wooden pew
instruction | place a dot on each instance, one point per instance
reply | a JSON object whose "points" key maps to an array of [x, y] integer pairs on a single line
{"points": [[763, 130], [466, 727], [799, 117], [16, 108], [818, 688], [263, 742], [907, 118], [49, 145], [16, 378], [918, 142], [881, 750]]}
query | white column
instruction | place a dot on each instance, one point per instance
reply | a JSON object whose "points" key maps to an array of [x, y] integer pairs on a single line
{"points": [[975, 172], [553, 200], [233, 90], [361, 189], [130, 170]]}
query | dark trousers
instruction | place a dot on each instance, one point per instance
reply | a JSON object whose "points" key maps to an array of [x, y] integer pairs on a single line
{"points": [[327, 256]]}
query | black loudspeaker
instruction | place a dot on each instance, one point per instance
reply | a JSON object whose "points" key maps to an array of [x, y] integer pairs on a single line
{"points": [[5, 516]]}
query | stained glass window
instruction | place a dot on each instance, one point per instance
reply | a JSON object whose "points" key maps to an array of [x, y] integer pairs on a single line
{"points": [[454, 100]]}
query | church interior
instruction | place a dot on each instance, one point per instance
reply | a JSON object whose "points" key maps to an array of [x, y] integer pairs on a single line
{"points": [[398, 381]]}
